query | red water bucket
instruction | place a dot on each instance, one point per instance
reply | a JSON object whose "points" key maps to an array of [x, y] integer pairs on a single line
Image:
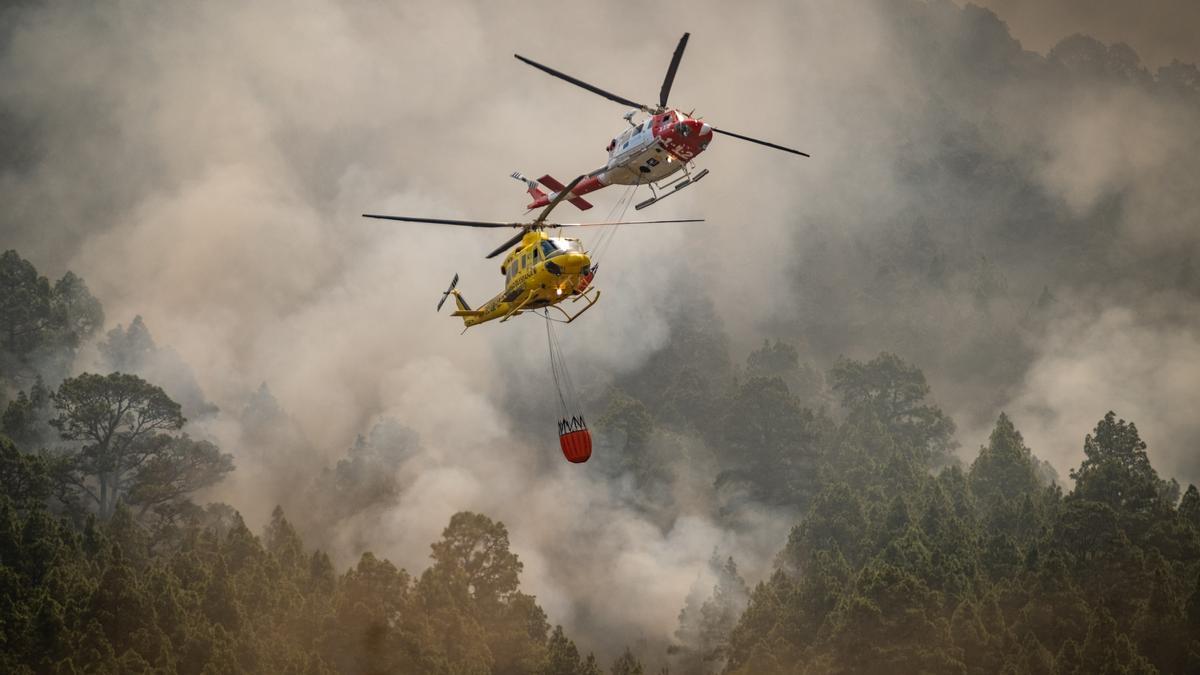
{"points": [[585, 281], [576, 446], [575, 439]]}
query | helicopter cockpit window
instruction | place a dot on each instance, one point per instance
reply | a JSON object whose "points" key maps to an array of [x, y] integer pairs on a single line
{"points": [[564, 245], [548, 248], [683, 129]]}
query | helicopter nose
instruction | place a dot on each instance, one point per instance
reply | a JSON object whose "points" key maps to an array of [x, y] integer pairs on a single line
{"points": [[573, 262]]}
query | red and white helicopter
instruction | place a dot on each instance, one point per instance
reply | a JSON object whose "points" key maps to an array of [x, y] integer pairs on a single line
{"points": [[647, 153]]}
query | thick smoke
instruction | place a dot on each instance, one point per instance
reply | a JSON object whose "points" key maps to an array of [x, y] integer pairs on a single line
{"points": [[204, 166], [1160, 30]]}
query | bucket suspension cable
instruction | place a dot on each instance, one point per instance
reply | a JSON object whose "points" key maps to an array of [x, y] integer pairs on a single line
{"points": [[558, 369], [617, 213], [573, 434]]}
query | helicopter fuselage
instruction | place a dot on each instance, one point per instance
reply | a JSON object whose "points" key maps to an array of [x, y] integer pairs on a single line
{"points": [[653, 150], [661, 145], [541, 272], [648, 152]]}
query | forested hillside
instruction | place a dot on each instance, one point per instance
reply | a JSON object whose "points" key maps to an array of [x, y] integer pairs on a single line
{"points": [[107, 565], [904, 561]]}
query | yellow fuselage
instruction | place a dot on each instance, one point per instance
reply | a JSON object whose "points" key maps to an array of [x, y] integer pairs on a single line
{"points": [[540, 272]]}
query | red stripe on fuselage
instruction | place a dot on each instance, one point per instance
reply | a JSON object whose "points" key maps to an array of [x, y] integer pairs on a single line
{"points": [[683, 144]]}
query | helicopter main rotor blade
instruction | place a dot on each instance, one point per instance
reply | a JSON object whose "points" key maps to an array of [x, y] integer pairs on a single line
{"points": [[507, 245], [558, 198], [626, 222], [444, 221], [755, 140], [580, 83], [670, 78]]}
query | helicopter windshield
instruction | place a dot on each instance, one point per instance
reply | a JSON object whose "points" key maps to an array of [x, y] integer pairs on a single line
{"points": [[556, 245]]}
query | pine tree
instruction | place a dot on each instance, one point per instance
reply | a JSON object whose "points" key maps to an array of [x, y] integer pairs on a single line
{"points": [[627, 664], [1116, 471], [1189, 507]]}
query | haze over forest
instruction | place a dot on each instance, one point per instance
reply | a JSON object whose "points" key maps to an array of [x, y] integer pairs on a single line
{"points": [[850, 406]]}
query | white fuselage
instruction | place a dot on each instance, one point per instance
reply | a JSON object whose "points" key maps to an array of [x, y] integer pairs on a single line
{"points": [[639, 157]]}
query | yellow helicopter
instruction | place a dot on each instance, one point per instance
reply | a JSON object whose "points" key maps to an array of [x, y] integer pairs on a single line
{"points": [[541, 272]]}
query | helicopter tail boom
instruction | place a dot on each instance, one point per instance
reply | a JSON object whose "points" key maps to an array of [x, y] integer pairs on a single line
{"points": [[469, 316], [541, 198]]}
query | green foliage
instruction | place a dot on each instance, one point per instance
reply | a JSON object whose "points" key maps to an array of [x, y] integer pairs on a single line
{"points": [[1117, 472], [981, 572], [1189, 507], [24, 479], [368, 474], [220, 599], [1005, 486], [132, 350], [181, 466], [782, 360], [628, 421], [892, 392], [627, 664], [771, 443], [125, 452], [1004, 470], [475, 549], [836, 523], [43, 324], [26, 419], [706, 623], [126, 349], [562, 658]]}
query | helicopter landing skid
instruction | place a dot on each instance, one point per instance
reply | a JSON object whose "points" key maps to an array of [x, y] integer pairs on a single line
{"points": [[591, 297], [517, 311], [679, 185]]}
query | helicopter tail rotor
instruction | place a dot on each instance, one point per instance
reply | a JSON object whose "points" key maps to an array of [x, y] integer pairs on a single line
{"points": [[529, 182], [536, 193], [453, 285]]}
